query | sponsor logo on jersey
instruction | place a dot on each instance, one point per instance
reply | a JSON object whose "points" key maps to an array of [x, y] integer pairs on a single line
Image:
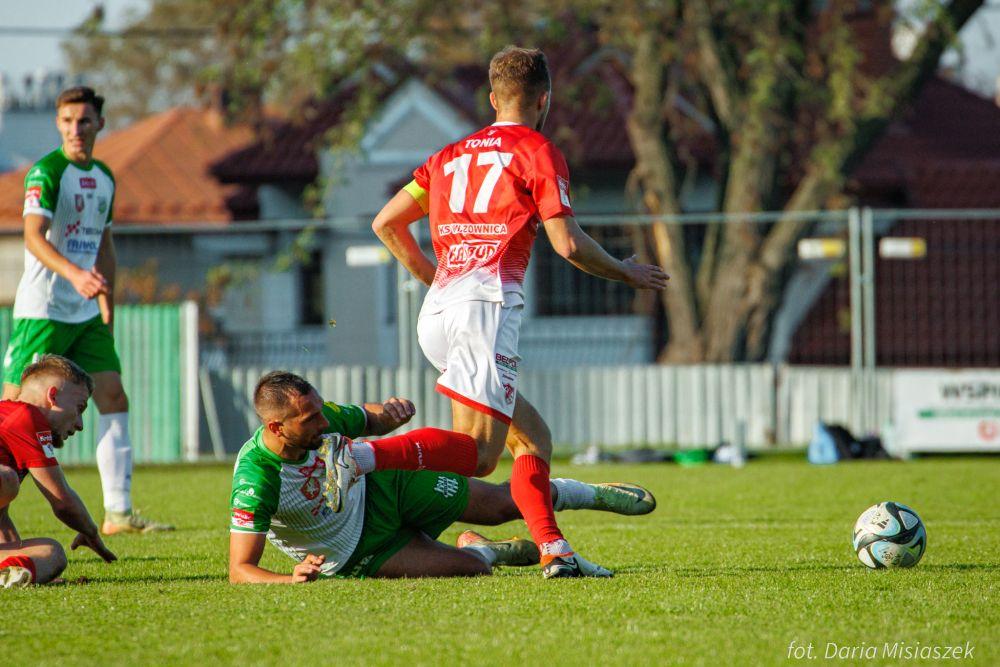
{"points": [[88, 183], [242, 518], [74, 228], [44, 438], [49, 451], [76, 245], [102, 205], [469, 253], [311, 488], [472, 230], [78, 200], [506, 362], [446, 486], [508, 392], [33, 197], [563, 190], [489, 142]]}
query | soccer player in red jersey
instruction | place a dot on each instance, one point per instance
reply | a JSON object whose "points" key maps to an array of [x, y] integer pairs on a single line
{"points": [[486, 196], [54, 393]]}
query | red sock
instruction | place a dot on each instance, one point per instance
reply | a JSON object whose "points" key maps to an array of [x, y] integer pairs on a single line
{"points": [[427, 449], [529, 486], [20, 561]]}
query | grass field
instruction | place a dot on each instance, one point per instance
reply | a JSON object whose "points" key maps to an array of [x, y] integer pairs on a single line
{"points": [[731, 568]]}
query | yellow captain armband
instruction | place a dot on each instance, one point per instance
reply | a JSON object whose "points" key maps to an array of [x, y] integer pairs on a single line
{"points": [[417, 193]]}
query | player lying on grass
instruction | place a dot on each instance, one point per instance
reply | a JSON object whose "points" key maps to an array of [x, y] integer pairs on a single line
{"points": [[54, 394], [389, 519]]}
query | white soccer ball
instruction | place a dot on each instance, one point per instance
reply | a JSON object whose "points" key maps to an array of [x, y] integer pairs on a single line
{"points": [[889, 535]]}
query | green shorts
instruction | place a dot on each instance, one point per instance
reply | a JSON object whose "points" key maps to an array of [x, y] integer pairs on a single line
{"points": [[88, 343], [399, 504]]}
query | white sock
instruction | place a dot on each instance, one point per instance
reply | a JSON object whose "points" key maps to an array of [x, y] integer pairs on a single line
{"points": [[114, 461], [573, 495], [556, 548], [364, 456], [482, 551]]}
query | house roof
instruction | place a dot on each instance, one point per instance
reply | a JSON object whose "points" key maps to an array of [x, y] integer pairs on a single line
{"points": [[161, 171]]}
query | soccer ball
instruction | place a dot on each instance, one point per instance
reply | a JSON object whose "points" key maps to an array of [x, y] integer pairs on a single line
{"points": [[889, 535]]}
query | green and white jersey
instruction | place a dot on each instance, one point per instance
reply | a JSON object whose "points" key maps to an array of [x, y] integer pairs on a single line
{"points": [[284, 499], [78, 201]]}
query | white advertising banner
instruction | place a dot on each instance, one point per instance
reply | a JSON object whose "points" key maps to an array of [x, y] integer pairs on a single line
{"points": [[946, 411]]}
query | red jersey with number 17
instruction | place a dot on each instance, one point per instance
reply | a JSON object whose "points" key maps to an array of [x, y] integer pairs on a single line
{"points": [[25, 438], [486, 195]]}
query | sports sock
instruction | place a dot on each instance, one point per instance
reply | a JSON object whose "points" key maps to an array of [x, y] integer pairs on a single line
{"points": [[482, 551], [529, 486], [558, 547], [573, 495], [20, 561], [364, 456], [427, 449], [114, 461]]}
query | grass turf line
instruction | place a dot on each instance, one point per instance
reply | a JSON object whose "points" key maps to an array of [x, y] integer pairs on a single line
{"points": [[732, 566]]}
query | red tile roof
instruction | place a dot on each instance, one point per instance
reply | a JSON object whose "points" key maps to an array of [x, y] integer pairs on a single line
{"points": [[161, 169]]}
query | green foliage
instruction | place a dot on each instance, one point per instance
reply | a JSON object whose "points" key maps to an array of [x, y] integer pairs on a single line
{"points": [[732, 566]]}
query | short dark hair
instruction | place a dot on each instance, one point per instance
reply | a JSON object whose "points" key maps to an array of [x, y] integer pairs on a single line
{"points": [[61, 367], [274, 389], [518, 75], [78, 94]]}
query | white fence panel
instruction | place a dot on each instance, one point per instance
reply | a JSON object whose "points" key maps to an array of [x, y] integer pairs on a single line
{"points": [[613, 407]]}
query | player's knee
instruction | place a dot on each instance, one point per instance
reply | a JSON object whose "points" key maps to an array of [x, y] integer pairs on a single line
{"points": [[51, 555], [111, 400], [485, 467], [10, 485], [57, 559]]}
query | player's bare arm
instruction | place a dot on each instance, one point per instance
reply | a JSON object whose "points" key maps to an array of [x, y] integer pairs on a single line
{"points": [[245, 550], [392, 226], [69, 509], [88, 283], [586, 254], [386, 417], [105, 265]]}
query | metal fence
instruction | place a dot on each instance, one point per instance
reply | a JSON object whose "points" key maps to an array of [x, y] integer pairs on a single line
{"points": [[158, 350]]}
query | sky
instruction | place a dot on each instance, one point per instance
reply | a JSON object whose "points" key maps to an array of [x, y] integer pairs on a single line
{"points": [[26, 54]]}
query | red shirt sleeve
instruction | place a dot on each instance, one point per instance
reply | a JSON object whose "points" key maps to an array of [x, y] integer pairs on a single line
{"points": [[28, 437], [422, 174], [549, 182]]}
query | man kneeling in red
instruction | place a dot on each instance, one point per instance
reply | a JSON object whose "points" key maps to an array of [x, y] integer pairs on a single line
{"points": [[54, 394]]}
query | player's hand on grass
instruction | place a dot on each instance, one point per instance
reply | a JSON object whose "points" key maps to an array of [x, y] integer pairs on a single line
{"points": [[96, 544], [88, 283], [307, 570], [399, 410], [644, 276]]}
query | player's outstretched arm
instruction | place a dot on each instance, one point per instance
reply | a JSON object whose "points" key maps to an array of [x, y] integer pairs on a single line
{"points": [[88, 283], [69, 509], [586, 254], [392, 226], [383, 418], [245, 550]]}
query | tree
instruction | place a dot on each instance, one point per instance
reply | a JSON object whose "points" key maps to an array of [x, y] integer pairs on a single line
{"points": [[793, 110]]}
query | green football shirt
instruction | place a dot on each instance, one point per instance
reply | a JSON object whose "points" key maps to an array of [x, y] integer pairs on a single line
{"points": [[284, 499], [78, 202]]}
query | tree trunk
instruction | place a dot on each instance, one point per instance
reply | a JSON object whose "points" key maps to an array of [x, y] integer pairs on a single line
{"points": [[655, 176]]}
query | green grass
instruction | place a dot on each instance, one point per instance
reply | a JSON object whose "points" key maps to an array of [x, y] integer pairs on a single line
{"points": [[733, 566]]}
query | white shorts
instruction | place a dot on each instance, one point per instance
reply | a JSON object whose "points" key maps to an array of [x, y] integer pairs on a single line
{"points": [[474, 345]]}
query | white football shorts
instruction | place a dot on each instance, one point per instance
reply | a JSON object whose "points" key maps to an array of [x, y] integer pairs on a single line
{"points": [[474, 345]]}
